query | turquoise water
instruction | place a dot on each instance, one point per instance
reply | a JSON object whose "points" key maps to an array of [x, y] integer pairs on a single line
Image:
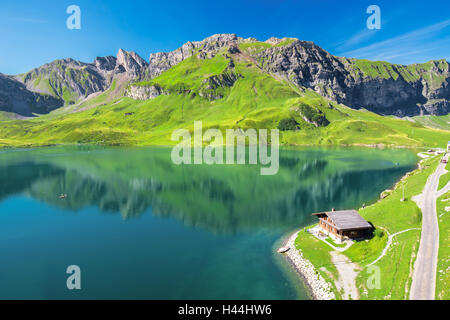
{"points": [[141, 227]]}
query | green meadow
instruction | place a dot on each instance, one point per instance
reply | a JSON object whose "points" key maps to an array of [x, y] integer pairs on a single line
{"points": [[439, 122], [445, 178], [443, 265]]}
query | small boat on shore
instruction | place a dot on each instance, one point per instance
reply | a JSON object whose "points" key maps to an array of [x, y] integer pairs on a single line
{"points": [[283, 249]]}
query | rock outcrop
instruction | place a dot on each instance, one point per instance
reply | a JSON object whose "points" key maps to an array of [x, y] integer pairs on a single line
{"points": [[132, 64], [144, 92], [212, 83]]}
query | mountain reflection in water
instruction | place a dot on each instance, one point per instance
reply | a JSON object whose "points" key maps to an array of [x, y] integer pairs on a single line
{"points": [[219, 198]]}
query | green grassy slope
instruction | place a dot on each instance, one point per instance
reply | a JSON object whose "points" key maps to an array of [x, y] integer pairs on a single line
{"points": [[386, 70], [256, 100], [5, 116], [443, 267], [445, 178], [438, 122]]}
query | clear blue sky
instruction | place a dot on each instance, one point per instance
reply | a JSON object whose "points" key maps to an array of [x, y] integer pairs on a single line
{"points": [[34, 32]]}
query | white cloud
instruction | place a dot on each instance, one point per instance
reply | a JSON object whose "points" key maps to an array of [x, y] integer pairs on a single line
{"points": [[28, 20], [408, 45], [359, 37]]}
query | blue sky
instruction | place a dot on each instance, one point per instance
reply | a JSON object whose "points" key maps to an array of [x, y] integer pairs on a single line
{"points": [[34, 32]]}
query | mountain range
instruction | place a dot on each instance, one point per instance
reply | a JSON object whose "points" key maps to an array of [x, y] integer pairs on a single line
{"points": [[308, 85]]}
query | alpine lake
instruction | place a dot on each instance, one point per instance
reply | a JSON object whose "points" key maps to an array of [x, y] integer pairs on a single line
{"points": [[141, 227]]}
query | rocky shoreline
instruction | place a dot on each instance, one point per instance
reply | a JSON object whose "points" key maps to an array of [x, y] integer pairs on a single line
{"points": [[319, 288]]}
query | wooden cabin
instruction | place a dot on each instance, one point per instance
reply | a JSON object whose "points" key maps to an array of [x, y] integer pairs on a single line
{"points": [[344, 224]]}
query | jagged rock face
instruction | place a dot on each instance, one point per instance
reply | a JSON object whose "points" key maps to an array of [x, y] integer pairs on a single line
{"points": [[275, 41], [436, 107], [401, 95], [304, 64], [132, 64], [105, 64], [307, 65], [384, 96], [144, 92], [15, 97], [224, 80]]}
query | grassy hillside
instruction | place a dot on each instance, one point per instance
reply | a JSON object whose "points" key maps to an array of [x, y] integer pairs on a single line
{"points": [[255, 100], [438, 122], [5, 115], [445, 178], [443, 267], [386, 70]]}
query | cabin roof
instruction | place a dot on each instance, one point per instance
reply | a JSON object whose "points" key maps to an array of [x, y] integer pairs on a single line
{"points": [[346, 219]]}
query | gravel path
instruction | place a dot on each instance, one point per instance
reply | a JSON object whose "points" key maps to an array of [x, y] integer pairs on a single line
{"points": [[390, 237], [423, 285], [347, 275]]}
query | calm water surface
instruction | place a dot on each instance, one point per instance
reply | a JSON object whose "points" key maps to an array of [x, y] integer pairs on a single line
{"points": [[141, 227]]}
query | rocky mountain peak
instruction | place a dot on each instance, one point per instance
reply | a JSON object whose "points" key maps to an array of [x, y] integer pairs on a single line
{"points": [[131, 63], [218, 40], [107, 63], [273, 41]]}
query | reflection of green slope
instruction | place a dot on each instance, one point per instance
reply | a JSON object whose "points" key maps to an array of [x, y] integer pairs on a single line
{"points": [[222, 198], [15, 178], [117, 196]]}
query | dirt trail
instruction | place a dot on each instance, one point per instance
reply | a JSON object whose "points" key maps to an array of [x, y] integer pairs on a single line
{"points": [[347, 275], [391, 236]]}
